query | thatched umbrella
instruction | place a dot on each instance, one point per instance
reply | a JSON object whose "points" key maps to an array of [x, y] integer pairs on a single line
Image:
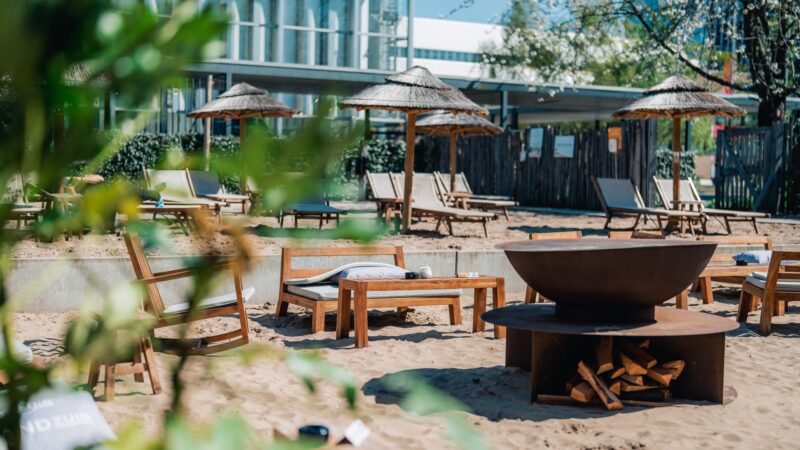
{"points": [[413, 92], [242, 101], [677, 97], [443, 123]]}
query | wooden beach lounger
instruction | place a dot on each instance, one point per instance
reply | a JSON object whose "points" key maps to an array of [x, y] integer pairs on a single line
{"points": [[321, 298], [208, 185], [222, 305], [690, 199], [319, 209], [382, 190], [621, 198], [178, 189], [428, 203], [775, 288], [22, 211], [464, 198]]}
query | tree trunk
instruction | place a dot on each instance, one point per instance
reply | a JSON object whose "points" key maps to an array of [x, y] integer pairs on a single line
{"points": [[771, 109]]}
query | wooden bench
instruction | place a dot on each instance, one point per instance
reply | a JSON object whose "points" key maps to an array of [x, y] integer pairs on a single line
{"points": [[723, 269], [322, 304]]}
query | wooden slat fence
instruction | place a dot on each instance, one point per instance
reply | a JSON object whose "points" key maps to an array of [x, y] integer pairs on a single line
{"points": [[492, 164]]}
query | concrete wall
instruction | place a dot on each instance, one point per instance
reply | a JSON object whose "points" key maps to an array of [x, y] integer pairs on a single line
{"points": [[57, 285]]}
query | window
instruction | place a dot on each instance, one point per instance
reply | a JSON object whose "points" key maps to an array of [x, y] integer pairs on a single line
{"points": [[318, 32]]}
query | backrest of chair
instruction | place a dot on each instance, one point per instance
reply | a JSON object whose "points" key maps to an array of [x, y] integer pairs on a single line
{"points": [[204, 183], [398, 182], [380, 184], [635, 235], [576, 234], [176, 181], [442, 181], [288, 270], [153, 300], [618, 193], [731, 241], [462, 185], [665, 191], [425, 192], [778, 259]]}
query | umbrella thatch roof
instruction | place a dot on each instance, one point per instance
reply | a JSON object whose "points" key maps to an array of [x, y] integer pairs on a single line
{"points": [[444, 123], [77, 74], [678, 97], [417, 90], [242, 101]]}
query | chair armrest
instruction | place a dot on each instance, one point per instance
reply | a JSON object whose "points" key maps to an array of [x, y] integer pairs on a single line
{"points": [[175, 274]]}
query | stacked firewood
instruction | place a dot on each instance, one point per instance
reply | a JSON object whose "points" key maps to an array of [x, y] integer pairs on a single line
{"points": [[624, 371]]}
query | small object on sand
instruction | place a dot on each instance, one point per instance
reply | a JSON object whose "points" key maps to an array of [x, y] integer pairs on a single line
{"points": [[412, 276], [314, 433], [356, 433]]}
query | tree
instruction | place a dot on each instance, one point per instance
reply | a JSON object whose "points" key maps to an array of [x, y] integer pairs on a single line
{"points": [[745, 45]]}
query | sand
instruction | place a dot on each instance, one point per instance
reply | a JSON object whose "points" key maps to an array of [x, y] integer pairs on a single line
{"points": [[468, 236], [763, 371]]}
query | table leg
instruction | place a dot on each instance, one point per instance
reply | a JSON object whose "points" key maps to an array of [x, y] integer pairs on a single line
{"points": [[361, 317], [343, 314], [499, 301], [478, 308]]}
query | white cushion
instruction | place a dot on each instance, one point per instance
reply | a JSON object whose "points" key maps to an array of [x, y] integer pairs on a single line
{"points": [[331, 292], [213, 302], [759, 279], [20, 350], [329, 275]]}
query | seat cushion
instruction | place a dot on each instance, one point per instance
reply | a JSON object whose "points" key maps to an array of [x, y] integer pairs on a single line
{"points": [[759, 279], [754, 257], [331, 292], [212, 302], [21, 351]]}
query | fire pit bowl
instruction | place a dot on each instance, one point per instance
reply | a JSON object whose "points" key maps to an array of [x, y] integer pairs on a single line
{"points": [[608, 280]]}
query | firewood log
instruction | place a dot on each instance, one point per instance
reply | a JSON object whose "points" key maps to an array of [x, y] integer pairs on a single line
{"points": [[628, 387], [661, 376], [574, 381], [604, 355], [616, 373], [631, 368], [633, 379], [608, 398], [635, 353], [644, 344], [583, 392], [615, 386], [676, 367], [651, 395]]}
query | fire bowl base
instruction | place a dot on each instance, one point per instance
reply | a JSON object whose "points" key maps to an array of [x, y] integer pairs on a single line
{"points": [[627, 314], [550, 348]]}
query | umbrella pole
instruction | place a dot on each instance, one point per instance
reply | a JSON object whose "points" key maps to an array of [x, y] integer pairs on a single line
{"points": [[242, 137], [453, 142], [409, 170], [207, 126], [676, 162]]}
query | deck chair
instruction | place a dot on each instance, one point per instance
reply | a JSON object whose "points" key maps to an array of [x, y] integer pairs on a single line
{"points": [[774, 288], [207, 185], [180, 313], [382, 190], [723, 269], [15, 195], [427, 202], [178, 189], [321, 298], [691, 198], [531, 296], [621, 198], [464, 197]]}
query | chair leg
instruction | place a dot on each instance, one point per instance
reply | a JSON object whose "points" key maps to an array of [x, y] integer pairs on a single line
{"points": [[318, 317], [608, 222], [529, 294], [682, 300], [485, 228], [505, 212], [282, 308], [706, 290], [767, 308], [137, 359], [728, 225], [111, 375], [780, 308], [745, 306], [755, 225], [152, 367], [636, 222], [94, 374], [455, 311]]}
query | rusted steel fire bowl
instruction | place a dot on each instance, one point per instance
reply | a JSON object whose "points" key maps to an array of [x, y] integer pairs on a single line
{"points": [[601, 280]]}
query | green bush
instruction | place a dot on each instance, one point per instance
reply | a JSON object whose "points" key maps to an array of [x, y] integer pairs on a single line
{"points": [[664, 163]]}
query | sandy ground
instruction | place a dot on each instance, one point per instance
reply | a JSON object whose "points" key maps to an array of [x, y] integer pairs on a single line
{"points": [[766, 413], [468, 236]]}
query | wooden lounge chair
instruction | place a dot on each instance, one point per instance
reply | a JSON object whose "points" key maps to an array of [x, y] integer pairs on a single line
{"points": [[428, 203], [774, 288], [382, 189], [621, 198], [464, 198], [222, 305], [312, 209], [325, 297], [723, 268], [177, 189], [208, 185], [531, 296], [691, 201], [22, 210]]}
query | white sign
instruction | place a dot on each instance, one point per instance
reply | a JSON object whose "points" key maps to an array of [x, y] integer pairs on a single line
{"points": [[564, 147], [535, 142]]}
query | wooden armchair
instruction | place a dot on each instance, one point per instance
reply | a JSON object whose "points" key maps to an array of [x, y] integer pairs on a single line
{"points": [[180, 313], [531, 296], [775, 289]]}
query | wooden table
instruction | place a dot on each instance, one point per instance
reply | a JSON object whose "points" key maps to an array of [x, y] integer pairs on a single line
{"points": [[356, 291]]}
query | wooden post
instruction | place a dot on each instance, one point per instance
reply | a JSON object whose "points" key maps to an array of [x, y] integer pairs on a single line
{"points": [[242, 137], [453, 143], [207, 126], [676, 162], [409, 169]]}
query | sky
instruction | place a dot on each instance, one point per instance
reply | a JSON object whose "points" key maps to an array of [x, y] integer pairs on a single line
{"points": [[481, 11]]}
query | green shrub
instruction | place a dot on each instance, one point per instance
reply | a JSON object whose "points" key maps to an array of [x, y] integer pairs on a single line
{"points": [[664, 163]]}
